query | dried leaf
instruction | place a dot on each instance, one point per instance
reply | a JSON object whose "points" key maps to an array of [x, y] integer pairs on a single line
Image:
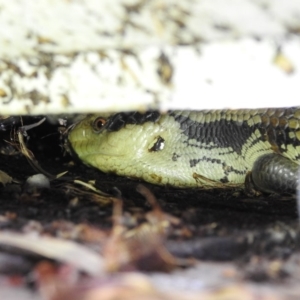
{"points": [[88, 192], [64, 251], [141, 248], [283, 63], [90, 186], [5, 178]]}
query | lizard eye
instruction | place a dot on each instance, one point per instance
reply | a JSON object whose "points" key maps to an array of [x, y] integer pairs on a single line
{"points": [[98, 124]]}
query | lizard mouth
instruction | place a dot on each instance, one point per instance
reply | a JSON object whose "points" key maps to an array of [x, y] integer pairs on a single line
{"points": [[99, 153]]}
